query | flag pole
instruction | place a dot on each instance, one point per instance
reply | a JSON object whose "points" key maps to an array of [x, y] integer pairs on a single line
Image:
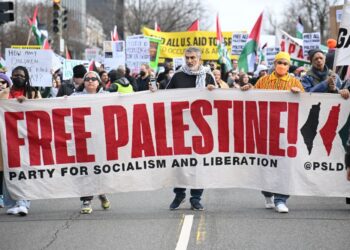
{"points": [[29, 35]]}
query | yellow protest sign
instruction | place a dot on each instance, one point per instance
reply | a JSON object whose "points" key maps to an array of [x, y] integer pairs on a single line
{"points": [[173, 44], [25, 46]]}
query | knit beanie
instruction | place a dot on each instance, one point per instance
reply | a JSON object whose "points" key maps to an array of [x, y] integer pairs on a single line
{"points": [[331, 43], [6, 78], [79, 71], [282, 55]]}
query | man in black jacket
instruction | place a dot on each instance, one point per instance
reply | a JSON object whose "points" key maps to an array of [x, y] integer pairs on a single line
{"points": [[69, 87], [191, 75]]}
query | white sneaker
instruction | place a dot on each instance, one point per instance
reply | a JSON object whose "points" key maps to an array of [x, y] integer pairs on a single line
{"points": [[269, 202], [282, 208], [13, 210], [22, 210]]}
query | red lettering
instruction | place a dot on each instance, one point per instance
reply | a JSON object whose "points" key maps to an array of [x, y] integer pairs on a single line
{"points": [[115, 137], [39, 141], [80, 135], [223, 124], [291, 48], [179, 128], [256, 133], [160, 130], [292, 132], [300, 53], [12, 139], [275, 130], [202, 144], [141, 132], [61, 136], [238, 126], [283, 45]]}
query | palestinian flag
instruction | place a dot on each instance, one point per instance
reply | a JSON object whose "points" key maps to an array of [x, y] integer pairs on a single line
{"points": [[194, 26], [299, 28], [34, 23], [248, 55], [222, 51]]}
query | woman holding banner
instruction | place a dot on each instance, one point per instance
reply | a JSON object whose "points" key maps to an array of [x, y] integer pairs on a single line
{"points": [[5, 83], [21, 90], [92, 85]]}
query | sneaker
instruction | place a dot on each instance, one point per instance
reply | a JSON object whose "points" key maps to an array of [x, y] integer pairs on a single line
{"points": [[1, 201], [22, 210], [86, 207], [13, 210], [269, 202], [105, 203], [177, 202], [282, 208], [196, 205]]}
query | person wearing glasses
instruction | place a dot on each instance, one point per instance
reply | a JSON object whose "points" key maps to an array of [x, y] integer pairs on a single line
{"points": [[279, 79], [92, 84]]}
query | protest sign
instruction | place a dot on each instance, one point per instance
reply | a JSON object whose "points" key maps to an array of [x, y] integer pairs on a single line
{"points": [[178, 61], [270, 55], [137, 52], [118, 55], [154, 50], [311, 41], [92, 54], [95, 144], [68, 66], [38, 62], [238, 42], [173, 44]]}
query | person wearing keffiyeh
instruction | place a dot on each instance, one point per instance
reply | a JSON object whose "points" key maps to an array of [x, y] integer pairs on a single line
{"points": [[191, 75]]}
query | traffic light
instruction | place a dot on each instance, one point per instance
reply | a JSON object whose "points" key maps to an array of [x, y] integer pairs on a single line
{"points": [[56, 16], [6, 12], [64, 18]]}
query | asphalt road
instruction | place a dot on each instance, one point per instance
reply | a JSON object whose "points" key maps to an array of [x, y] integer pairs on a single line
{"points": [[233, 219]]}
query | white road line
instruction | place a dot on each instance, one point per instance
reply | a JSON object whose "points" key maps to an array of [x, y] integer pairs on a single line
{"points": [[185, 233]]}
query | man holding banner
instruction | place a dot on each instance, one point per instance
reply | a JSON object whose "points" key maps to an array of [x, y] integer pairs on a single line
{"points": [[279, 79], [191, 75]]}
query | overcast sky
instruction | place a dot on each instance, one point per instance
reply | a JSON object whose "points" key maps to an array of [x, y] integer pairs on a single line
{"points": [[236, 15]]}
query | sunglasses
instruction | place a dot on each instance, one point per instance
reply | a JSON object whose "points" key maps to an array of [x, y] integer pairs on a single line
{"points": [[3, 82], [284, 63], [90, 78]]}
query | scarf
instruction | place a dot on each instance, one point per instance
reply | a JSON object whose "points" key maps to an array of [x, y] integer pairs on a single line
{"points": [[201, 74], [320, 75]]}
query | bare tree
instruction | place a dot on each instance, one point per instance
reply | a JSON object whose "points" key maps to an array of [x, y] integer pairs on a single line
{"points": [[175, 15], [313, 13]]}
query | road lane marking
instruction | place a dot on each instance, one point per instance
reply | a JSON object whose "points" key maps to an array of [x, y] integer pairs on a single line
{"points": [[185, 233], [201, 230]]}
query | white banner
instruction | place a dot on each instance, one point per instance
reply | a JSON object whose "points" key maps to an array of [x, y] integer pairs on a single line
{"points": [[38, 62], [88, 145], [292, 45], [342, 56]]}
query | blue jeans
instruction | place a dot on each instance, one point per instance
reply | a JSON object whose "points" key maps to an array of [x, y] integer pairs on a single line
{"points": [[195, 193], [9, 202], [278, 198]]}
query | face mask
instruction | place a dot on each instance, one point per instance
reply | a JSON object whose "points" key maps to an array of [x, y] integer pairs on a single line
{"points": [[281, 69], [18, 82], [142, 73]]}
